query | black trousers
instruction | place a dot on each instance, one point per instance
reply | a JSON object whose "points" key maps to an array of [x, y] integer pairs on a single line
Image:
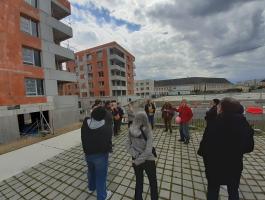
{"points": [[150, 169], [129, 123], [168, 124], [232, 188], [115, 127]]}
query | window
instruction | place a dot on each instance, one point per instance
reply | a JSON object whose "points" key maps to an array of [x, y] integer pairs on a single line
{"points": [[34, 87], [99, 55], [147, 88], [31, 56], [81, 68], [89, 57], [102, 93], [90, 85], [29, 26], [84, 94], [101, 74], [33, 3], [91, 94], [89, 67], [100, 64], [147, 83], [101, 83], [82, 76]]}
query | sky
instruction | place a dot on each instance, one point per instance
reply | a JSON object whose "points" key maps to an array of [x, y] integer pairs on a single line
{"points": [[175, 38]]}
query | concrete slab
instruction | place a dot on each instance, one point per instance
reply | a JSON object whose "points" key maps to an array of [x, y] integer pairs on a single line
{"points": [[22, 159]]}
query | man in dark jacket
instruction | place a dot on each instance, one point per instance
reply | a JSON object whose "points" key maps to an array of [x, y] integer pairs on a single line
{"points": [[96, 134], [212, 113], [150, 110], [224, 142], [121, 113]]}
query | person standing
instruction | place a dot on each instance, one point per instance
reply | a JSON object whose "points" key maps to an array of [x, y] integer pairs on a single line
{"points": [[167, 114], [139, 146], [121, 113], [130, 114], [185, 113], [212, 113], [116, 118], [108, 108], [150, 110], [225, 140], [96, 137]]}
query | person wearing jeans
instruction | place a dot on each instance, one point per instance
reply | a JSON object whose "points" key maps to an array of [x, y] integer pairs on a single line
{"points": [[185, 113], [97, 173], [184, 132], [140, 147], [96, 137]]}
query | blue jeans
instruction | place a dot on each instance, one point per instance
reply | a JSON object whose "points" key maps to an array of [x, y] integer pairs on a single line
{"points": [[151, 120], [97, 174], [184, 131]]}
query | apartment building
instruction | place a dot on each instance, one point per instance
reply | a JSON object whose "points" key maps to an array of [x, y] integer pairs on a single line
{"points": [[144, 88], [107, 70], [31, 72], [192, 85]]}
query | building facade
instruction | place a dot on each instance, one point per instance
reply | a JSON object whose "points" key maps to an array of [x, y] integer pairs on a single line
{"points": [[104, 71], [31, 72], [192, 85], [144, 88]]}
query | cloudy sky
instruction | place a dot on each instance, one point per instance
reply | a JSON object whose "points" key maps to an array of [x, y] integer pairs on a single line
{"points": [[176, 38]]}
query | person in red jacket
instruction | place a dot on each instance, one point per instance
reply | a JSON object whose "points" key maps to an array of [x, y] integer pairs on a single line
{"points": [[185, 113]]}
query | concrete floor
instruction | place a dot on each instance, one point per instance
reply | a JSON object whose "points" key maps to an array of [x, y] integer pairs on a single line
{"points": [[180, 173]]}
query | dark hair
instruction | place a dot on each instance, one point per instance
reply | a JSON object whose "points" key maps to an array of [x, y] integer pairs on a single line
{"points": [[98, 113], [113, 101], [97, 101], [216, 101], [231, 106], [107, 102]]}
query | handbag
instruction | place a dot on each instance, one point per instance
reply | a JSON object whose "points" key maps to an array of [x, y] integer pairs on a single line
{"points": [[153, 149]]}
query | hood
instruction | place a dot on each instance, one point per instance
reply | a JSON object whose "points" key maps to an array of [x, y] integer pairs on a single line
{"points": [[139, 120], [94, 124]]}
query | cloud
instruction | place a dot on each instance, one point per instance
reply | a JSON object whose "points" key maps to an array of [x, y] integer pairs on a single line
{"points": [[173, 38]]}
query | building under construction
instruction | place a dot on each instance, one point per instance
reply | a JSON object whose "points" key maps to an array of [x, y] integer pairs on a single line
{"points": [[31, 67]]}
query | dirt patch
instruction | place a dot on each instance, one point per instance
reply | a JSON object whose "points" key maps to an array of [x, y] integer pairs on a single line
{"points": [[29, 140]]}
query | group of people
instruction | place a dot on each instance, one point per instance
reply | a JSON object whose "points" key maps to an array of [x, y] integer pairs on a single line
{"points": [[226, 138], [168, 112]]}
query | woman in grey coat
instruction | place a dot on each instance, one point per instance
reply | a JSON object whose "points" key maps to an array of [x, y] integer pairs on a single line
{"points": [[142, 157]]}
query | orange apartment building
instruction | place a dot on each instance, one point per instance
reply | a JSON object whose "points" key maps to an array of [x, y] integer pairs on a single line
{"points": [[107, 70], [30, 65]]}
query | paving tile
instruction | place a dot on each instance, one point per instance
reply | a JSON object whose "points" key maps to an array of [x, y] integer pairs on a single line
{"points": [[180, 173]]}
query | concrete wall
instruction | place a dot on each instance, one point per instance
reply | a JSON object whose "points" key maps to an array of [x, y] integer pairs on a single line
{"points": [[8, 129], [66, 111]]}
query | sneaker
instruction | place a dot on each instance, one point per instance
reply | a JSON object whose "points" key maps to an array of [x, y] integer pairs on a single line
{"points": [[180, 140], [109, 193], [187, 142], [90, 191]]}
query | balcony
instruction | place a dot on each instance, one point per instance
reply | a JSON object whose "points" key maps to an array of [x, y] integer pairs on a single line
{"points": [[119, 87], [117, 57], [117, 67], [61, 31], [60, 75], [117, 77], [62, 54], [60, 9]]}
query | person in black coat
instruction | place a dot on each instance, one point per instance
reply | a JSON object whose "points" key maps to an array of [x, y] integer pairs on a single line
{"points": [[96, 137], [226, 139], [212, 113]]}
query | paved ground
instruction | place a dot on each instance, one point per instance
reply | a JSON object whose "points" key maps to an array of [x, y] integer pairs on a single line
{"points": [[180, 173]]}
